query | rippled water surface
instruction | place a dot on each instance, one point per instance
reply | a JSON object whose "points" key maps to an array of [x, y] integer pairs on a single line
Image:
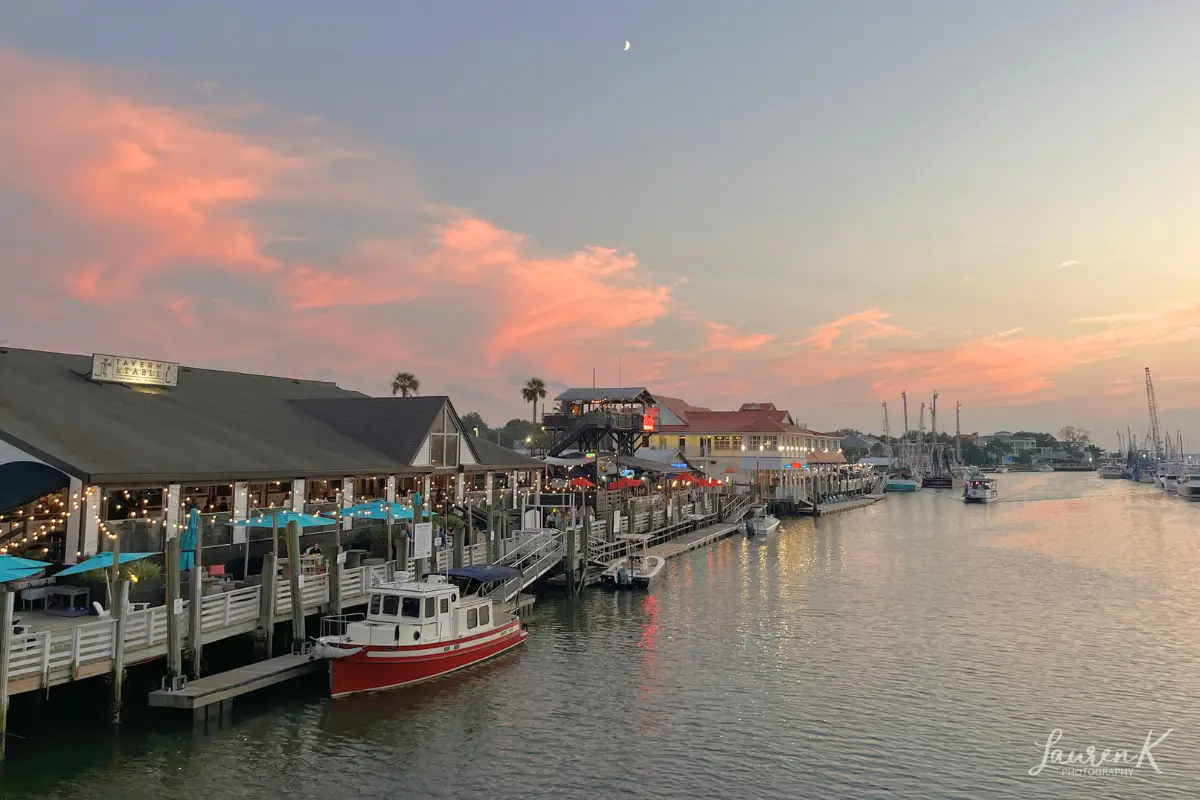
{"points": [[920, 648]]}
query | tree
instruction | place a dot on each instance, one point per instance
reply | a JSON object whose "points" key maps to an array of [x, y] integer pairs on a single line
{"points": [[532, 392], [1071, 435], [473, 422], [405, 384]]}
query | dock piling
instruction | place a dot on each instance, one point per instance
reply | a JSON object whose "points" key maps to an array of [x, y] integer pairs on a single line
{"points": [[174, 611], [7, 600], [195, 644], [120, 612], [266, 608], [293, 541]]}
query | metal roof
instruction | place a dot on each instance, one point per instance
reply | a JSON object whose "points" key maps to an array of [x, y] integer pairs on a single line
{"points": [[213, 426], [634, 394], [395, 426], [495, 456]]}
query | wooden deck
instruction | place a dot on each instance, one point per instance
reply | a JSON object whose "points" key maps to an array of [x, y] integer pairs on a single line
{"points": [[217, 692], [694, 540], [846, 505]]}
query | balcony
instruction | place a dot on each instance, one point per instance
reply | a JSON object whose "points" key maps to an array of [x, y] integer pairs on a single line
{"points": [[607, 420]]}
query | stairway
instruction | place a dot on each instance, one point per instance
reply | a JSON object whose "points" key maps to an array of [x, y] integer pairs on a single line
{"points": [[534, 557]]}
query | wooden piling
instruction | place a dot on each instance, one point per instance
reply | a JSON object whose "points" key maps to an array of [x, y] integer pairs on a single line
{"points": [[266, 608], [569, 560], [7, 602], [195, 632], [458, 534], [174, 612], [335, 579], [293, 540], [418, 518], [120, 612]]}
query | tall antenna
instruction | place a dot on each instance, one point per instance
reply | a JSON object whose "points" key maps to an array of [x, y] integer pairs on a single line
{"points": [[1156, 440], [619, 383]]}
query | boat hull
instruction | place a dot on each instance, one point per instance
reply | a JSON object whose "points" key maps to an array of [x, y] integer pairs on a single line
{"points": [[375, 668], [1188, 491], [940, 482], [902, 485]]}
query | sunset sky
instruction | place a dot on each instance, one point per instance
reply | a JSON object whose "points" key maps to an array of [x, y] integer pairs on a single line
{"points": [[818, 204]]}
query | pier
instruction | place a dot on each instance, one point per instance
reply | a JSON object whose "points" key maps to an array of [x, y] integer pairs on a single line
{"points": [[212, 697]]}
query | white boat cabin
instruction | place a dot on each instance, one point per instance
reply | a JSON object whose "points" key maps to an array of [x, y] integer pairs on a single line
{"points": [[437, 609]]}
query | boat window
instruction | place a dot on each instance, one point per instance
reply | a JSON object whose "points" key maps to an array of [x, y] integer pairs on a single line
{"points": [[485, 614], [375, 600], [472, 618], [430, 607], [391, 605], [411, 607], [445, 605]]}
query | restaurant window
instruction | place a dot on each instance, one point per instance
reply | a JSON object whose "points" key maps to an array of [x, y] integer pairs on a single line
{"points": [[430, 607], [736, 444], [810, 444], [472, 618], [770, 443], [485, 615], [682, 444], [411, 607], [721, 442], [755, 443], [443, 441], [391, 605]]}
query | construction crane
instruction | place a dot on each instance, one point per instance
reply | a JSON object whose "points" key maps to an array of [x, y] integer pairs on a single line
{"points": [[1156, 441]]}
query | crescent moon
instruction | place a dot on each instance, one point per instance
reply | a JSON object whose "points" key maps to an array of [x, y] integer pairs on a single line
{"points": [[626, 44]]}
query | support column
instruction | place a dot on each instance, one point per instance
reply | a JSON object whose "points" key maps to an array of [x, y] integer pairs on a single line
{"points": [[241, 510], [266, 607], [174, 610], [90, 537], [418, 515], [489, 485], [347, 501], [120, 612], [299, 494], [75, 512], [460, 486]]}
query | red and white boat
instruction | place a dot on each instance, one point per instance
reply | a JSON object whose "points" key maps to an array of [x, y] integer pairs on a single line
{"points": [[418, 630]]}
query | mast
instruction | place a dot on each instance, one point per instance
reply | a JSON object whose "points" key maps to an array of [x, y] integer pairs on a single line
{"points": [[933, 441], [957, 431], [921, 438], [1156, 440]]}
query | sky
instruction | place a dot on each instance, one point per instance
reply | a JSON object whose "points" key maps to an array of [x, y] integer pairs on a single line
{"points": [[816, 204]]}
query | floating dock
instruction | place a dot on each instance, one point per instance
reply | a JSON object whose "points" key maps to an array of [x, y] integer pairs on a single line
{"points": [[213, 696], [845, 505], [695, 540]]}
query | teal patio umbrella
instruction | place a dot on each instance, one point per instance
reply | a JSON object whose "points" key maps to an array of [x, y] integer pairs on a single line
{"points": [[102, 561], [8, 574], [375, 510], [16, 562], [187, 542]]}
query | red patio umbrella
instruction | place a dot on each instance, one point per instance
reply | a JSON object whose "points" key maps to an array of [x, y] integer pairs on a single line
{"points": [[582, 483], [625, 483]]}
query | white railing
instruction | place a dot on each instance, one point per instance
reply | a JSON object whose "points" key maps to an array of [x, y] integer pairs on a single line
{"points": [[220, 611], [146, 628], [314, 591], [69, 649]]}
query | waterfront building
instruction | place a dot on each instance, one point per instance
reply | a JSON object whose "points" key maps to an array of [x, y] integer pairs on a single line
{"points": [[95, 447]]}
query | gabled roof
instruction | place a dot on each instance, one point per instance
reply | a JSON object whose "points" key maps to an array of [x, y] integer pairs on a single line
{"points": [[213, 426], [680, 408], [395, 426], [635, 394], [496, 456]]}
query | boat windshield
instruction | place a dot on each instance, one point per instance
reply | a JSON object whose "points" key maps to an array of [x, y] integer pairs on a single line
{"points": [[411, 607]]}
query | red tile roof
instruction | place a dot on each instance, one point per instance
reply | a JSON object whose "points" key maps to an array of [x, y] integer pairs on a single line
{"points": [[680, 408]]}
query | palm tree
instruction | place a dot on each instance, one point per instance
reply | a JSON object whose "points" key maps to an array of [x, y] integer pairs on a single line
{"points": [[532, 392], [405, 384]]}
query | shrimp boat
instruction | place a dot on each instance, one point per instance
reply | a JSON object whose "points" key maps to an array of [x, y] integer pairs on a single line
{"points": [[761, 524], [634, 571], [419, 630]]}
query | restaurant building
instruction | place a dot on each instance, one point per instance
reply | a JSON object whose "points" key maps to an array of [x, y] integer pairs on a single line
{"points": [[100, 446]]}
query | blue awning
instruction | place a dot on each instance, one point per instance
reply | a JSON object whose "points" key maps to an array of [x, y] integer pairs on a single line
{"points": [[102, 561], [484, 573]]}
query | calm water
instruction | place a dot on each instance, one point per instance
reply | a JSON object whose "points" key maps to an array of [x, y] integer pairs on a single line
{"points": [[917, 649]]}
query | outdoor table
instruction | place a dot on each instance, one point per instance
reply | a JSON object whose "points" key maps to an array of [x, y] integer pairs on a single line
{"points": [[68, 601]]}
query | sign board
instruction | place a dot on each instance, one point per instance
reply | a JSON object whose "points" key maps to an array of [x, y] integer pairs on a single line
{"points": [[134, 371], [423, 540], [1008, 459], [178, 606], [341, 559], [650, 419], [616, 522]]}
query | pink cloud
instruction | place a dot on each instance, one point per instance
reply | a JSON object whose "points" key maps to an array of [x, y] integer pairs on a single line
{"points": [[726, 337], [860, 326]]}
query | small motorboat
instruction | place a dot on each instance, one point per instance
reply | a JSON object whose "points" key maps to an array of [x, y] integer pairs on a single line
{"points": [[635, 571], [761, 525], [980, 489]]}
